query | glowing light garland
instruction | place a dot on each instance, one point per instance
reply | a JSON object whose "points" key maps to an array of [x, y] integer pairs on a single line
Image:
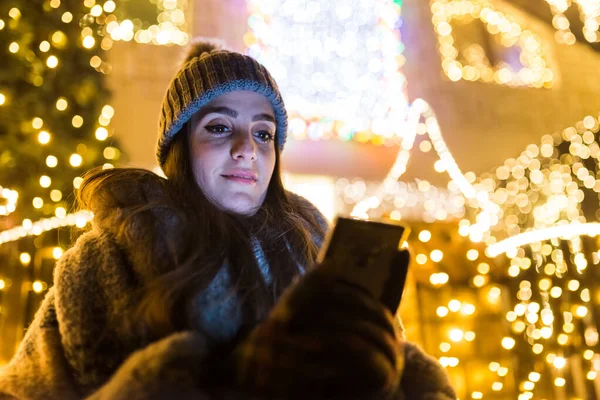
{"points": [[475, 65], [342, 77], [420, 109], [564, 231], [170, 27], [590, 16], [28, 228]]}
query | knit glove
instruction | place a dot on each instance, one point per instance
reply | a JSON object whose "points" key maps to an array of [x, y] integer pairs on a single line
{"points": [[324, 339]]}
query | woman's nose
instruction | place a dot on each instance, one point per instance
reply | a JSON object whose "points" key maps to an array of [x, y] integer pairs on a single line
{"points": [[243, 146]]}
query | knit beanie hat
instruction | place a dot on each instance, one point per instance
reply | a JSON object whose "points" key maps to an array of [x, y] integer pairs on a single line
{"points": [[208, 71]]}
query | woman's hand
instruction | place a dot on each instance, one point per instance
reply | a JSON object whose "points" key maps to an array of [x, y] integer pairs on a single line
{"points": [[324, 339]]}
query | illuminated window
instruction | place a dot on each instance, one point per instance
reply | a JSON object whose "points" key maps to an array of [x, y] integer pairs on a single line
{"points": [[338, 65], [477, 42]]}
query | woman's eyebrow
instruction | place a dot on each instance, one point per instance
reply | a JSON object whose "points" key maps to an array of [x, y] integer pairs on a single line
{"points": [[263, 117], [234, 114], [222, 110]]}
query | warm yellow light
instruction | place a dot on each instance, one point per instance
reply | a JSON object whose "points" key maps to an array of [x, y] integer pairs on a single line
{"points": [[60, 212], [37, 123], [519, 326], [61, 104], [469, 336], [588, 354], [89, 42], [13, 47], [467, 309], [96, 11], [477, 395], [534, 376], [559, 362], [436, 255], [591, 375], [494, 366], [38, 202], [57, 252], [559, 382], [95, 61], [456, 335], [508, 343], [101, 133], [2, 284], [52, 62], [37, 286], [568, 327], [581, 311], [51, 161], [573, 285], [454, 305], [497, 386], [89, 3], [562, 339], [2, 24], [45, 46], [545, 284], [528, 385], [109, 6], [556, 292], [479, 280], [442, 311], [502, 371], [445, 347], [424, 236], [483, 268], [56, 195], [472, 255], [108, 112], [25, 258], [440, 278], [494, 294], [77, 182], [67, 17], [44, 137], [2, 99], [585, 295], [537, 348], [55, 3], [59, 38], [110, 153], [77, 121], [75, 160], [45, 181]]}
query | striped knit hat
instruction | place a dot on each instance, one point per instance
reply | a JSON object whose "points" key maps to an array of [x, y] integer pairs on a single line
{"points": [[207, 72]]}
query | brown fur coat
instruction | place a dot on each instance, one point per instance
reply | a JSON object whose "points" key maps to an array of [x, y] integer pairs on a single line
{"points": [[76, 346]]}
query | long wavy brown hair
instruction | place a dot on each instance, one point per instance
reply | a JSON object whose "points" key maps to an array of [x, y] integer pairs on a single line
{"points": [[287, 230]]}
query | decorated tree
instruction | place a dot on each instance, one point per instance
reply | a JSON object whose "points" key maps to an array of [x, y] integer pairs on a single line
{"points": [[55, 123]]}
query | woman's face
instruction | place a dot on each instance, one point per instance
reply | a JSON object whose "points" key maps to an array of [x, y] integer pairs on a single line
{"points": [[233, 150]]}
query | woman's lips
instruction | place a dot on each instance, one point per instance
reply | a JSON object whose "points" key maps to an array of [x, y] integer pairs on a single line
{"points": [[241, 176], [239, 179]]}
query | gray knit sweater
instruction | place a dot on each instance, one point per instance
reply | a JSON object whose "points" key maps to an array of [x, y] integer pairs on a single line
{"points": [[77, 348]]}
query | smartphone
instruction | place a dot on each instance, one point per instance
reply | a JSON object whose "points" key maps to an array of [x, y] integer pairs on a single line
{"points": [[363, 254]]}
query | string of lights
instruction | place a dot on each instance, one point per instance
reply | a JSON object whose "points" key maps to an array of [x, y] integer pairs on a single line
{"points": [[589, 11], [474, 64]]}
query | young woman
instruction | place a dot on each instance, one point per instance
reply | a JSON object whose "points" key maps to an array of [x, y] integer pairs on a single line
{"points": [[177, 290]]}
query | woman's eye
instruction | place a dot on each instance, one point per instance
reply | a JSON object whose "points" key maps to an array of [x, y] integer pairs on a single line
{"points": [[217, 129], [264, 136]]}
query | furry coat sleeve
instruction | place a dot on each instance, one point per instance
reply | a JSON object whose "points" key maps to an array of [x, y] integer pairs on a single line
{"points": [[77, 347]]}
